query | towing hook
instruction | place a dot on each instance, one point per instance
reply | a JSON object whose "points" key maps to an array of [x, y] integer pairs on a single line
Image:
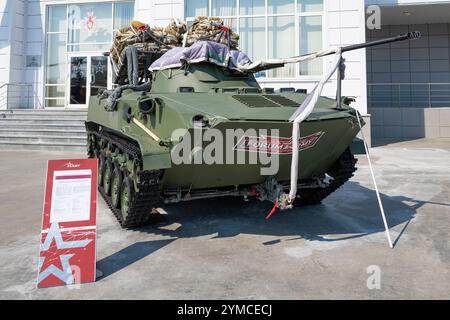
{"points": [[283, 202]]}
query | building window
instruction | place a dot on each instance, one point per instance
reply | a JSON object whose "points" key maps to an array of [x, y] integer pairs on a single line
{"points": [[70, 28], [195, 8], [90, 27], [55, 56], [270, 29], [123, 14]]}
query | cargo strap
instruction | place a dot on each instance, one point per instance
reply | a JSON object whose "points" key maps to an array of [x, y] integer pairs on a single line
{"points": [[303, 113]]}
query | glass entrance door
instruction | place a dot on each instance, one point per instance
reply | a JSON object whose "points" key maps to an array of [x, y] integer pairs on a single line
{"points": [[88, 75], [78, 81], [99, 74]]}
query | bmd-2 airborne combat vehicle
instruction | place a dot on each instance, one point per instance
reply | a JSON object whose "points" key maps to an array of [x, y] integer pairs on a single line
{"points": [[202, 87]]}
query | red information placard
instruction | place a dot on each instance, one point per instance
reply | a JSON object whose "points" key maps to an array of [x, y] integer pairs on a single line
{"points": [[68, 233]]}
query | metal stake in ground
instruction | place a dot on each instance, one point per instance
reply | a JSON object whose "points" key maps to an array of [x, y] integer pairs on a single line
{"points": [[375, 183]]}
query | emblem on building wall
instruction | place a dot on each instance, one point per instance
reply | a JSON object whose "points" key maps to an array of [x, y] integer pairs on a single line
{"points": [[89, 21]]}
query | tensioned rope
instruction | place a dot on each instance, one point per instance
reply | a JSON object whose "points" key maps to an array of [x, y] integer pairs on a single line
{"points": [[303, 112]]}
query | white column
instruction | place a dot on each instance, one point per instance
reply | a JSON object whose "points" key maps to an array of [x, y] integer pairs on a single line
{"points": [[12, 35], [345, 24]]}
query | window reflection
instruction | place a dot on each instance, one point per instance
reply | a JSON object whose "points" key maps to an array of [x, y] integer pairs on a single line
{"points": [[310, 5], [252, 37], [195, 8], [56, 19], [280, 6], [78, 80], [88, 27], [311, 41], [282, 44], [223, 8], [90, 23], [56, 58], [279, 38], [123, 14], [252, 7]]}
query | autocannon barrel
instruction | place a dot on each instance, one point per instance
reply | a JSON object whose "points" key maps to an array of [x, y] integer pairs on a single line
{"points": [[402, 37], [406, 36], [279, 63]]}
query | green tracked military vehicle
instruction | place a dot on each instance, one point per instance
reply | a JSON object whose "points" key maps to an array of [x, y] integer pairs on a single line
{"points": [[132, 136]]}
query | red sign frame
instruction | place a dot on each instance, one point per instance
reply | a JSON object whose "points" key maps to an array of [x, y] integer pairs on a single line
{"points": [[67, 252]]}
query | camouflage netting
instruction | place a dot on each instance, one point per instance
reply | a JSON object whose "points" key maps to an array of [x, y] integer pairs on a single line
{"points": [[172, 34], [212, 29], [150, 44], [137, 46]]}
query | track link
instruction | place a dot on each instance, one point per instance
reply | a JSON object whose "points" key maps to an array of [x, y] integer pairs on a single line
{"points": [[148, 190], [341, 171]]}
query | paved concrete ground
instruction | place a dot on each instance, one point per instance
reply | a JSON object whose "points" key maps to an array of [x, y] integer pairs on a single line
{"points": [[225, 249]]}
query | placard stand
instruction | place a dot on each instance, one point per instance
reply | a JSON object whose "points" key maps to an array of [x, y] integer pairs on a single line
{"points": [[67, 252]]}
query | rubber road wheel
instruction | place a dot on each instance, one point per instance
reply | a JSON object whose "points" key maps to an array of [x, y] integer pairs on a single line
{"points": [[101, 165], [92, 151], [126, 196], [107, 174], [116, 185]]}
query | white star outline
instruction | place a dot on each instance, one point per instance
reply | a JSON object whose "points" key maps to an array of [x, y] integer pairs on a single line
{"points": [[99, 68], [65, 274]]}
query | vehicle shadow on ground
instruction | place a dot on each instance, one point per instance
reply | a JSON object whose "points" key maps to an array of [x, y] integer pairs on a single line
{"points": [[351, 212]]}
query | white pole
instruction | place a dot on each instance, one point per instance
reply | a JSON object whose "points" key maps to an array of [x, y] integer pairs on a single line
{"points": [[375, 183]]}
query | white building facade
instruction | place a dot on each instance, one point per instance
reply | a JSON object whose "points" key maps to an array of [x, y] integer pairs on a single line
{"points": [[44, 43]]}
